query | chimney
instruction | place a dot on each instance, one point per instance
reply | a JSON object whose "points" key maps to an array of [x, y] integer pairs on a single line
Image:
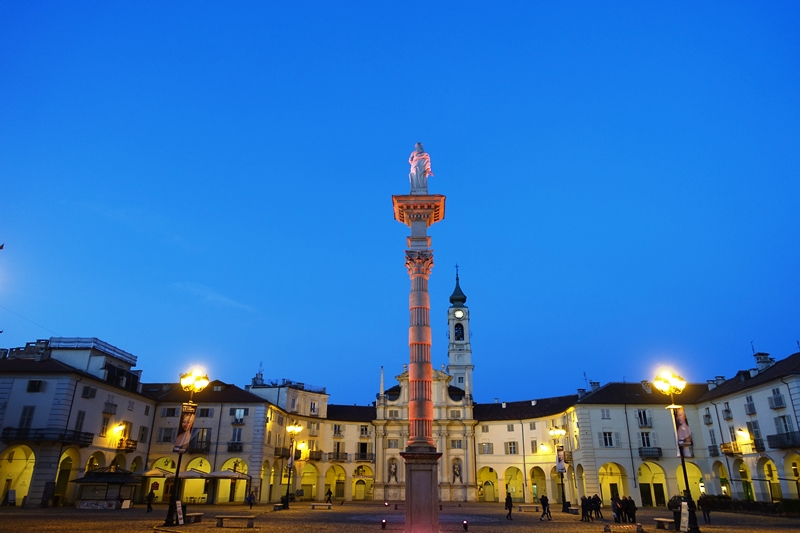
{"points": [[497, 400], [533, 402], [504, 405], [712, 384], [581, 393], [594, 385], [763, 361], [719, 379], [646, 386]]}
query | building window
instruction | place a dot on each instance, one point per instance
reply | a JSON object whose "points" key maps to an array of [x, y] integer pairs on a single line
{"points": [[605, 414], [104, 426], [644, 417], [460, 380], [456, 444], [236, 436], [269, 437], [205, 412], [783, 424], [143, 434], [312, 445], [337, 430], [485, 448], [534, 446], [293, 406], [393, 443], [511, 448], [533, 426], [732, 433], [365, 431], [313, 407], [35, 385], [238, 414], [88, 392], [217, 388], [712, 437], [608, 439], [646, 439], [169, 412], [459, 331], [79, 420], [166, 434], [510, 427], [455, 413], [130, 405], [280, 420], [485, 428], [146, 410], [394, 413]]}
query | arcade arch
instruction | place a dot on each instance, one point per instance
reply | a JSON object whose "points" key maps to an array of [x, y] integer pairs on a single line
{"points": [[791, 472], [514, 484], [233, 490], [16, 469], [652, 485], [613, 480], [538, 483], [695, 476], [487, 485], [363, 479], [334, 480]]}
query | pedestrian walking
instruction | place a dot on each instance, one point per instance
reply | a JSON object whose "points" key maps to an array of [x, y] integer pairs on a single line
{"points": [[328, 496], [545, 501], [251, 499], [151, 496], [705, 505], [509, 505]]}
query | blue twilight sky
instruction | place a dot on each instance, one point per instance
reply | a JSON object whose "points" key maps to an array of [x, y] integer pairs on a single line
{"points": [[210, 182]]}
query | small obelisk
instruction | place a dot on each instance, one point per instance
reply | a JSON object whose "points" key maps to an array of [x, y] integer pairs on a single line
{"points": [[419, 210]]}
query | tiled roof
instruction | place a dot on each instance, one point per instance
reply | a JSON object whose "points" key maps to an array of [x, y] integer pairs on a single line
{"points": [[485, 412], [743, 381], [635, 394], [172, 393], [352, 413]]}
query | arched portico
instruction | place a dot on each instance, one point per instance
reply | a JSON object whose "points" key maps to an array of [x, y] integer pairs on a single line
{"points": [[335, 478], [538, 483], [95, 461], [363, 479], [652, 485], [68, 470], [766, 484], [743, 485], [695, 476], [791, 474], [488, 489], [233, 490], [613, 480], [16, 469], [514, 484]]}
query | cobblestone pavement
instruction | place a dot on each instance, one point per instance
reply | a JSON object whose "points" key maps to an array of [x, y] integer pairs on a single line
{"points": [[352, 517]]}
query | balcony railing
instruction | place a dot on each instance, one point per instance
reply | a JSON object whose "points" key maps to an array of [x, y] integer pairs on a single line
{"points": [[235, 446], [646, 423], [365, 457], [713, 450], [282, 452], [337, 456], [315, 455], [127, 445], [238, 422], [784, 440], [726, 414], [776, 401], [649, 452], [199, 447], [110, 408], [568, 457], [338, 435], [66, 436], [707, 420], [730, 448], [749, 408], [313, 432]]}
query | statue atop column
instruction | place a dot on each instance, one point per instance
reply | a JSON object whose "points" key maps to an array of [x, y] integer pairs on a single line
{"points": [[420, 162]]}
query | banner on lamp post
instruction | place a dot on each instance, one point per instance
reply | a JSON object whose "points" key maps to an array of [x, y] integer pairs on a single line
{"points": [[561, 465], [188, 412], [683, 433]]}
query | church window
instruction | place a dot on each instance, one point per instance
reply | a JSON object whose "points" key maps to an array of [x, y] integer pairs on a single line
{"points": [[460, 380], [459, 331], [455, 413]]}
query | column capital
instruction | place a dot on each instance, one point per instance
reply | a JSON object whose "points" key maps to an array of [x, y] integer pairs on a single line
{"points": [[419, 262]]}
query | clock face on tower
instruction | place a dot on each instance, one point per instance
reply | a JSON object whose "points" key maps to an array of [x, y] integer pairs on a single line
{"points": [[458, 313]]}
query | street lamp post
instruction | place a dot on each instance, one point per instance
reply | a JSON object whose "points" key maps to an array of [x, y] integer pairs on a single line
{"points": [[558, 433], [293, 430], [671, 384], [191, 382]]}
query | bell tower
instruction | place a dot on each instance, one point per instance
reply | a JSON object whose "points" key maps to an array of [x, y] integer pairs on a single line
{"points": [[459, 350]]}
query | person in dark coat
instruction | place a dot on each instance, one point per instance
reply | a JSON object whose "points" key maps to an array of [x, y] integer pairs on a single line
{"points": [[705, 505], [545, 501], [596, 506], [509, 505], [149, 499], [328, 496], [586, 509], [617, 508], [631, 509]]}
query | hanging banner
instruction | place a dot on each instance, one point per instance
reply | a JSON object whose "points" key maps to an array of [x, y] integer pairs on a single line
{"points": [[188, 411], [683, 433], [561, 465]]}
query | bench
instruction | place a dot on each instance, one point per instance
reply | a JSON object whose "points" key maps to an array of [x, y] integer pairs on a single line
{"points": [[534, 508], [665, 523], [222, 518], [320, 505], [277, 507], [193, 518], [572, 510], [623, 527]]}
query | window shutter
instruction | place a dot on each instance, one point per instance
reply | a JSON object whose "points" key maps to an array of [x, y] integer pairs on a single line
{"points": [[600, 440], [163, 412], [653, 439], [233, 411], [639, 438], [160, 434], [789, 424], [246, 410], [505, 445], [778, 425], [649, 416], [617, 441], [211, 413]]}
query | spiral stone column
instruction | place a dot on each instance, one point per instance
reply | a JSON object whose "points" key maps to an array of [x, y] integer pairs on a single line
{"points": [[419, 212]]}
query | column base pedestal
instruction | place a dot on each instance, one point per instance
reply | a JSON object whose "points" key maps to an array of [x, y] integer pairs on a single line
{"points": [[422, 491]]}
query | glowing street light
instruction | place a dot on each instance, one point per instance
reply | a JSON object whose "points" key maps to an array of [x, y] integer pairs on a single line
{"points": [[193, 381], [670, 384], [558, 433], [293, 430]]}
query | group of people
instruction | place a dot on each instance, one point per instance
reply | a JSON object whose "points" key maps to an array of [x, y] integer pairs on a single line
{"points": [[624, 509], [590, 508]]}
